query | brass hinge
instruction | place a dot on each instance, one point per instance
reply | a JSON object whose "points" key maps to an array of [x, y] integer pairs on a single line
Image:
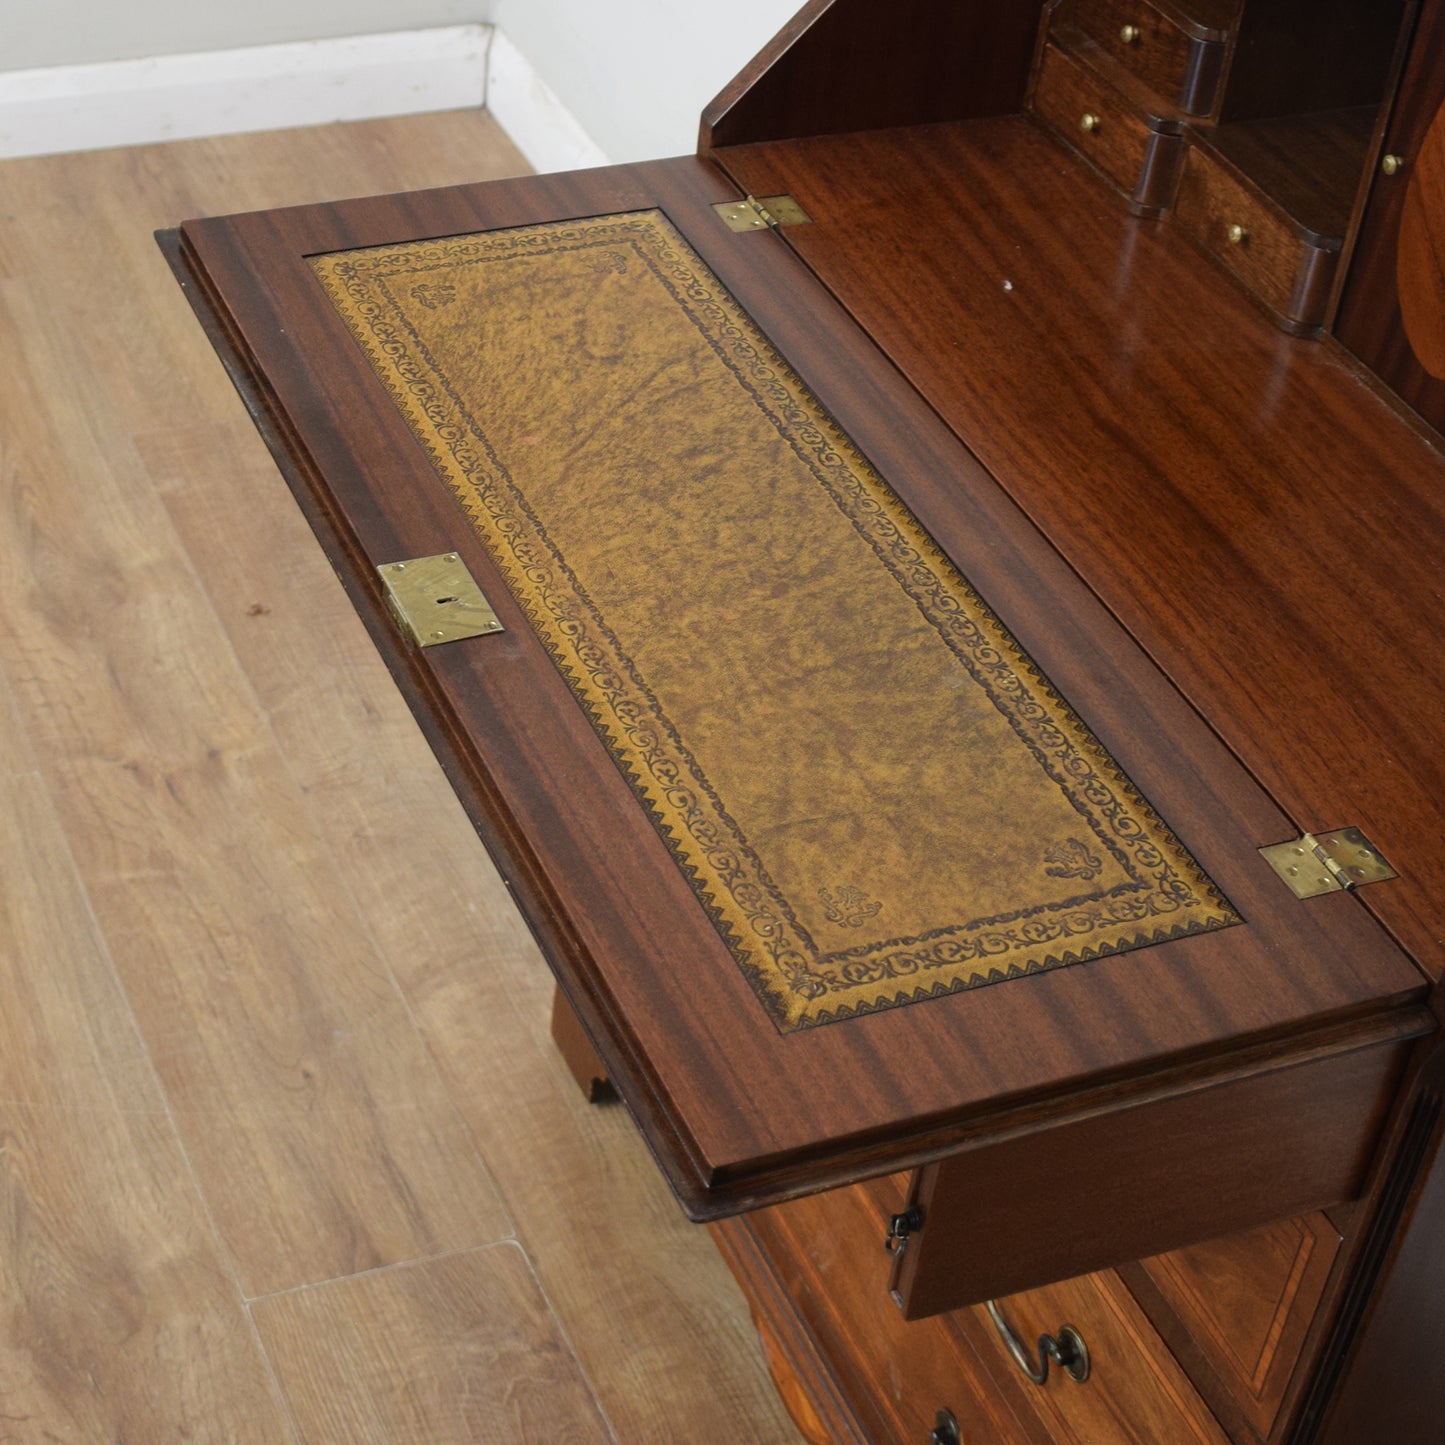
{"points": [[1328, 862], [769, 213], [435, 600]]}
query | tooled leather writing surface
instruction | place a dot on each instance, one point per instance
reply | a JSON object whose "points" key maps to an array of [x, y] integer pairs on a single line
{"points": [[737, 1112], [875, 794]]}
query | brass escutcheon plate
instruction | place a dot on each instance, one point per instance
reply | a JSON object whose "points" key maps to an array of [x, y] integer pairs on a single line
{"points": [[436, 600]]}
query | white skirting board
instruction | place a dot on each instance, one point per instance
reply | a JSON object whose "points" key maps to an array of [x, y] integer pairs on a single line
{"points": [[269, 87], [540, 126]]}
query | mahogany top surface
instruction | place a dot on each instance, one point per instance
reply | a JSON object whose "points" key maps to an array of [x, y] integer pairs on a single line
{"points": [[737, 1111], [1251, 507]]}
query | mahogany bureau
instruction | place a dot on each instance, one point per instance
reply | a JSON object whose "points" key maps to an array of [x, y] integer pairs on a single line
{"points": [[947, 657]]}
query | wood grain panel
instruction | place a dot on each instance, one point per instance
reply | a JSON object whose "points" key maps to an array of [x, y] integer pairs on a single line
{"points": [[1228, 491], [16, 757], [825, 71], [1371, 320], [119, 1318], [1120, 1186], [1248, 1300], [459, 1348]]}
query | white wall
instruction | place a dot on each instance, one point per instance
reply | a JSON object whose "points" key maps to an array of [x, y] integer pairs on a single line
{"points": [[578, 82], [637, 73], [36, 33]]}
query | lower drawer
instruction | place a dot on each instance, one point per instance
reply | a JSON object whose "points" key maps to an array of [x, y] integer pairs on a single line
{"points": [[851, 1368], [848, 1365], [1246, 1303], [1134, 1390]]}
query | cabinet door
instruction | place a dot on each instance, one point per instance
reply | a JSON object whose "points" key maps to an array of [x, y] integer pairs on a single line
{"points": [[1392, 314]]}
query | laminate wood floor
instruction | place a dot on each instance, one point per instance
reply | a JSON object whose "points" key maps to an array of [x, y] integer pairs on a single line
{"points": [[285, 1151]]}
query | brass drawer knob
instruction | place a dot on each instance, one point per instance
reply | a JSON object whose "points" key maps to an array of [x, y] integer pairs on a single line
{"points": [[1130, 34], [1237, 234], [1067, 1350], [1089, 122], [1392, 164]]}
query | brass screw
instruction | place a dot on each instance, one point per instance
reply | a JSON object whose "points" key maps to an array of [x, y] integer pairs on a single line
{"points": [[1390, 164], [1130, 35], [1089, 122], [1237, 234]]}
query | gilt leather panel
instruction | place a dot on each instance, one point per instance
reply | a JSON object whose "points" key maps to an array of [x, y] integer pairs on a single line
{"points": [[874, 793]]}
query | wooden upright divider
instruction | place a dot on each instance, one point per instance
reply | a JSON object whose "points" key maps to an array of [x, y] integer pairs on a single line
{"points": [[920, 609]]}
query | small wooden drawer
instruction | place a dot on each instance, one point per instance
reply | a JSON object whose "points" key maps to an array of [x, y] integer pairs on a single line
{"points": [[1284, 265], [1135, 1392], [1181, 61], [1139, 154]]}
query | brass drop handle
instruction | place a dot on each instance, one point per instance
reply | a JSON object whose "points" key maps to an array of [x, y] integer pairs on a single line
{"points": [[1068, 1350]]}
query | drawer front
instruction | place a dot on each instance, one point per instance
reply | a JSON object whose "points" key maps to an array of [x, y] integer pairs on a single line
{"points": [[847, 1364], [1247, 1301], [1182, 69], [1287, 272], [852, 1368], [1135, 1392], [1091, 117]]}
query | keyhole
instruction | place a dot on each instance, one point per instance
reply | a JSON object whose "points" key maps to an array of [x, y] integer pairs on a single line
{"points": [[442, 601]]}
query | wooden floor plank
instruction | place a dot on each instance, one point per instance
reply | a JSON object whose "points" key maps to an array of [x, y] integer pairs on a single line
{"points": [[461, 1348], [473, 975], [324, 1138], [118, 1317], [16, 756], [260, 880]]}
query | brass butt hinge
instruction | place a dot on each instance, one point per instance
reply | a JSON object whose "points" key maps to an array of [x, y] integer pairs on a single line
{"points": [[768, 213], [1328, 862], [435, 600]]}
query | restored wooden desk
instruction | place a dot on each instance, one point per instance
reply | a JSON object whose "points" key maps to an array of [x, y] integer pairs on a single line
{"points": [[912, 619]]}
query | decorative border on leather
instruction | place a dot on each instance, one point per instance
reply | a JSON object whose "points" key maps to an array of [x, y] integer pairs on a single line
{"points": [[801, 986]]}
